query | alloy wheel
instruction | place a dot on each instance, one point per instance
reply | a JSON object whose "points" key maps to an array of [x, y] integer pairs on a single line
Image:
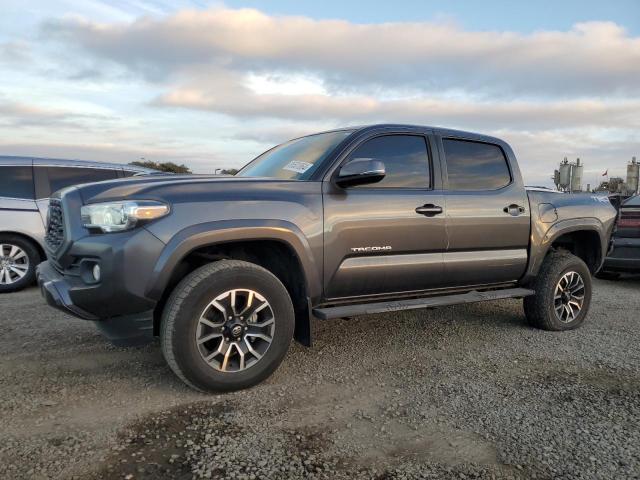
{"points": [[569, 297], [235, 330], [14, 263]]}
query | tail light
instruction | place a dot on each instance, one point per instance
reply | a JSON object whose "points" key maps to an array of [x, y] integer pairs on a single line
{"points": [[629, 218]]}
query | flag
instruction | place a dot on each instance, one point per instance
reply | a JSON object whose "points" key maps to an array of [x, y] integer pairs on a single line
{"points": [[606, 172]]}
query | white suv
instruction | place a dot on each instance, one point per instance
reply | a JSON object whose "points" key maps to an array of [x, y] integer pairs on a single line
{"points": [[25, 187]]}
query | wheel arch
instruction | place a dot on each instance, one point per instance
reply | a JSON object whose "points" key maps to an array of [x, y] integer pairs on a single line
{"points": [[582, 237], [277, 246], [27, 238]]}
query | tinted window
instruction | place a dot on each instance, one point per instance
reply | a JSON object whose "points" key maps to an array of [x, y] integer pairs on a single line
{"points": [[296, 159], [405, 158], [61, 177], [16, 182], [475, 166]]}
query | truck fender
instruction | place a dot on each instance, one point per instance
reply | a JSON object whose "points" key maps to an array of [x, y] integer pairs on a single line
{"points": [[227, 231], [542, 240]]}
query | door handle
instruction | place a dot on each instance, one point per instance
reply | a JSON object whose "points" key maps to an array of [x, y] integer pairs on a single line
{"points": [[429, 210], [514, 209]]}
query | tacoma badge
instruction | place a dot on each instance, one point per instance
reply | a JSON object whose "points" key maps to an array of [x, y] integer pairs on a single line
{"points": [[371, 249]]}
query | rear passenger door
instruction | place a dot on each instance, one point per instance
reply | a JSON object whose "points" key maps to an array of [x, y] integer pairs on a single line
{"points": [[487, 213]]}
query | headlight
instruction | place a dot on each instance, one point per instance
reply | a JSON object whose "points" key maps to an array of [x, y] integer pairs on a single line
{"points": [[119, 216]]}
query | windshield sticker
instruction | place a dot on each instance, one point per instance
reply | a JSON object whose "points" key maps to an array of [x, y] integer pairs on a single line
{"points": [[298, 167]]}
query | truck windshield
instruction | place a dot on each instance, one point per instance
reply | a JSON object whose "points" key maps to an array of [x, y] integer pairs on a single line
{"points": [[296, 159]]}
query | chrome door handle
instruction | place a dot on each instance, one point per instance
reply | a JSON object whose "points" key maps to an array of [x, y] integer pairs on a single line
{"points": [[513, 210], [429, 210]]}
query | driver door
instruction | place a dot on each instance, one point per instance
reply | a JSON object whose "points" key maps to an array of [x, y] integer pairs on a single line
{"points": [[387, 237]]}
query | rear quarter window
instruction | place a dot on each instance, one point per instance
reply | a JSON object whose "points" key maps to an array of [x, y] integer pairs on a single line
{"points": [[16, 182], [475, 166]]}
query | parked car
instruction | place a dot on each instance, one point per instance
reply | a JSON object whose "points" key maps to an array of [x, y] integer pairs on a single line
{"points": [[25, 186], [226, 270], [625, 253]]}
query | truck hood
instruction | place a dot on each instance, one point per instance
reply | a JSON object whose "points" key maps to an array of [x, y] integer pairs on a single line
{"points": [[167, 187]]}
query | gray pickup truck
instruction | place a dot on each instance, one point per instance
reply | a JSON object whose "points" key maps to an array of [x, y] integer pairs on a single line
{"points": [[382, 218]]}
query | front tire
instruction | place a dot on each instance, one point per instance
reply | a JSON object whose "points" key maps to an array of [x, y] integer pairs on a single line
{"points": [[227, 326], [563, 293], [18, 260]]}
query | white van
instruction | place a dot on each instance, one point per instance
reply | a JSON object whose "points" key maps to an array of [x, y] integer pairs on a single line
{"points": [[25, 186]]}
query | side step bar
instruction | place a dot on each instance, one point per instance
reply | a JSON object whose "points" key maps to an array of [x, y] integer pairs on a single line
{"points": [[413, 303]]}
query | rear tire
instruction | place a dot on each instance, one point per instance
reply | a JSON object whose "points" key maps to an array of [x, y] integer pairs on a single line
{"points": [[19, 258], [227, 326], [563, 293]]}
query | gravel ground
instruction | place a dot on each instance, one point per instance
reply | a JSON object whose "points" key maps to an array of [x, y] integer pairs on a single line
{"points": [[460, 392]]}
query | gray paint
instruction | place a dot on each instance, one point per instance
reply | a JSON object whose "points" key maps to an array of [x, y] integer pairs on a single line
{"points": [[472, 244], [575, 213]]}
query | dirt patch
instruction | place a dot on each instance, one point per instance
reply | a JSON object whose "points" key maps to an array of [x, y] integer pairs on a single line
{"points": [[154, 447]]}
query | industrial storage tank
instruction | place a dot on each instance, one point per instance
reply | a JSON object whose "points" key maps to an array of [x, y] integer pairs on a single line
{"points": [[565, 174], [568, 176], [576, 177], [633, 171]]}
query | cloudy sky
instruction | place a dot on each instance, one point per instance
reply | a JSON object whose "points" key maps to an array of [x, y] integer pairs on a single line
{"points": [[213, 84]]}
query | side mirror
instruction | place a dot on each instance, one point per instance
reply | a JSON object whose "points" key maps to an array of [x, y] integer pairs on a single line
{"points": [[360, 171]]}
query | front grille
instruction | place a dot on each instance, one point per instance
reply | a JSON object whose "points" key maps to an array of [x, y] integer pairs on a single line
{"points": [[55, 225]]}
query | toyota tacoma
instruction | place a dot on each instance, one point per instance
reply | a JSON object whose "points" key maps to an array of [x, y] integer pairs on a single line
{"points": [[226, 270]]}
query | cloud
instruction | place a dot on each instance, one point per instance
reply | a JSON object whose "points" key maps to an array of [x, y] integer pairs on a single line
{"points": [[212, 88], [239, 101], [17, 114], [592, 58], [338, 72], [540, 153], [15, 52]]}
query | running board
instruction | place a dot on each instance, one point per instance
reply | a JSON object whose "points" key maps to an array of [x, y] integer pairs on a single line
{"points": [[411, 304]]}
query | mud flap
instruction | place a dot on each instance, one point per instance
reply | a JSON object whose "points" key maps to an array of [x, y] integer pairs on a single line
{"points": [[302, 331]]}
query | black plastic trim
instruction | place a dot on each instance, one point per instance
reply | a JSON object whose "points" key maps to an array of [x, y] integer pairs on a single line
{"points": [[414, 303]]}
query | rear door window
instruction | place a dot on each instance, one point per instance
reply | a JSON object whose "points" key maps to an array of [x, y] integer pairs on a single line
{"points": [[62, 177], [16, 181], [474, 166]]}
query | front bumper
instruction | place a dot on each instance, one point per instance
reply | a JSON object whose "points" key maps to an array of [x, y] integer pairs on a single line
{"points": [[117, 302], [56, 291], [624, 257], [122, 330], [126, 262]]}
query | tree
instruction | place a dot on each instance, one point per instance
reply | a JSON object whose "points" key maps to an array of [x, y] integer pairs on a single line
{"points": [[162, 166]]}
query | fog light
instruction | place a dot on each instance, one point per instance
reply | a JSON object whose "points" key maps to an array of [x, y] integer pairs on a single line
{"points": [[96, 272]]}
